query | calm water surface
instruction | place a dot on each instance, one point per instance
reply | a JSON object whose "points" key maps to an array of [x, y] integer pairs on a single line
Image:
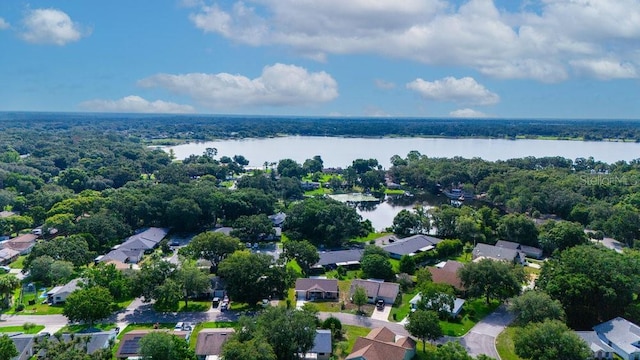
{"points": [[340, 152]]}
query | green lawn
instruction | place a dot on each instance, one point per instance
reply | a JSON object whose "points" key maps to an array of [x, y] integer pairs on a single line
{"points": [[19, 263], [208, 325], [318, 192], [404, 309], [293, 265], [394, 192], [37, 309], [145, 326], [371, 236], [195, 306], [504, 344], [29, 330], [123, 304], [350, 334], [81, 328]]}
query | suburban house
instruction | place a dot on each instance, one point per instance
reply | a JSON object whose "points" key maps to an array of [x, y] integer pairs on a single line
{"points": [[447, 273], [218, 287], [528, 251], [58, 294], [330, 260], [8, 255], [383, 344], [309, 185], [322, 346], [317, 289], [210, 341], [23, 243], [377, 290], [599, 350], [92, 341], [135, 246], [271, 237], [486, 251], [24, 344], [130, 343], [278, 219], [622, 335], [410, 246], [457, 305]]}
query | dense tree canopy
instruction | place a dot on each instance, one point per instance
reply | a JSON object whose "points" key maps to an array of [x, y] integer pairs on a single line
{"points": [[535, 306], [160, 345], [550, 340], [88, 305], [492, 279]]}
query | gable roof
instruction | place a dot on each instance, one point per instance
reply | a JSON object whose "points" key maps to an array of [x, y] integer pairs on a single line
{"points": [[412, 245], [594, 342], [8, 254], [508, 244], [621, 332], [326, 285], [532, 250], [97, 341], [494, 252], [67, 288], [340, 257], [23, 343], [22, 242], [210, 341], [376, 289], [381, 344]]}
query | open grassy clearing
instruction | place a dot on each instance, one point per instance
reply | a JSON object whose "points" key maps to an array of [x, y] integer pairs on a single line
{"points": [[34, 329]]}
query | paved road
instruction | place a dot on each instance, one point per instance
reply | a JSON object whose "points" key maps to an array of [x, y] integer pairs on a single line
{"points": [[481, 339]]}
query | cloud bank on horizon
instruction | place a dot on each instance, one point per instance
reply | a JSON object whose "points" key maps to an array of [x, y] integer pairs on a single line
{"points": [[508, 58]]}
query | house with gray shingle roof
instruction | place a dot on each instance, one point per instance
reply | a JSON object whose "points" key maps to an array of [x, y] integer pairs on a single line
{"points": [[59, 294], [486, 251], [322, 346], [599, 350], [411, 246], [315, 289], [622, 335], [332, 259], [376, 289], [530, 251]]}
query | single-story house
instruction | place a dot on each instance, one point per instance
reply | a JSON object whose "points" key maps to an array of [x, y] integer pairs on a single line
{"points": [[317, 289], [92, 341], [59, 294], [529, 251], [276, 236], [322, 346], [135, 246], [278, 219], [218, 287], [332, 259], [24, 344], [411, 246], [383, 344], [447, 273], [599, 349], [8, 255], [309, 185], [377, 290], [130, 343], [457, 305], [622, 335], [486, 251], [23, 243], [210, 341]]}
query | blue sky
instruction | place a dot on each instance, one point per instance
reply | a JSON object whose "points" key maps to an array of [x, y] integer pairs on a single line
{"points": [[417, 58]]}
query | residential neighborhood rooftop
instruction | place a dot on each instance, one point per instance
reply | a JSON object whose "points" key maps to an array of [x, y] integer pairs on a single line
{"points": [[411, 245]]}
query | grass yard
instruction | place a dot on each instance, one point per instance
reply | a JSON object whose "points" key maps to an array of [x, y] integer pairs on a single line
{"points": [[21, 328], [195, 306], [293, 265], [19, 263], [504, 344], [350, 334], [84, 327], [402, 311], [394, 192], [145, 326], [318, 192], [371, 236], [208, 325]]}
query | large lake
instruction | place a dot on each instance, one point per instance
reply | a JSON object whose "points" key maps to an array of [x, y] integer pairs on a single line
{"points": [[340, 152]]}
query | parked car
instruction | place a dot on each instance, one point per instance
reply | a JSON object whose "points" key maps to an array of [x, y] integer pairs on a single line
{"points": [[380, 304], [215, 302], [4, 269], [224, 306]]}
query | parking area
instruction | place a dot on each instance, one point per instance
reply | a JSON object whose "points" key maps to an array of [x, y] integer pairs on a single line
{"points": [[382, 314]]}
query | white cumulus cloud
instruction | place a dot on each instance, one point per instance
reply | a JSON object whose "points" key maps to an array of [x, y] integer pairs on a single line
{"points": [[467, 113], [51, 26], [464, 90], [136, 104], [278, 85], [537, 41], [605, 69], [4, 24]]}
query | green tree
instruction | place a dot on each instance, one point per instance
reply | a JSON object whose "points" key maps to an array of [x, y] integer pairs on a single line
{"points": [[407, 265], [424, 325], [560, 235], [61, 271], [492, 279], [303, 252], [252, 228], [437, 297], [39, 269], [212, 246], [119, 285], [254, 349], [7, 348], [518, 228], [535, 306], [290, 168], [160, 345], [593, 284], [183, 214], [153, 273], [73, 248], [167, 296], [289, 332], [88, 305], [192, 280], [359, 297], [452, 350], [8, 283], [244, 273], [376, 266], [550, 340], [405, 223]]}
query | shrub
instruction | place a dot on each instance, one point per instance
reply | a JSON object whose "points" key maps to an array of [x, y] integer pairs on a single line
{"points": [[28, 325], [20, 307]]}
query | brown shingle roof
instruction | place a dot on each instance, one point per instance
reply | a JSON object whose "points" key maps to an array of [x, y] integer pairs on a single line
{"points": [[375, 347], [327, 285], [210, 341], [382, 334], [447, 274]]}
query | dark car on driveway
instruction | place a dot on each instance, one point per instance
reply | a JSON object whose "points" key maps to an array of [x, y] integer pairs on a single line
{"points": [[380, 304]]}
